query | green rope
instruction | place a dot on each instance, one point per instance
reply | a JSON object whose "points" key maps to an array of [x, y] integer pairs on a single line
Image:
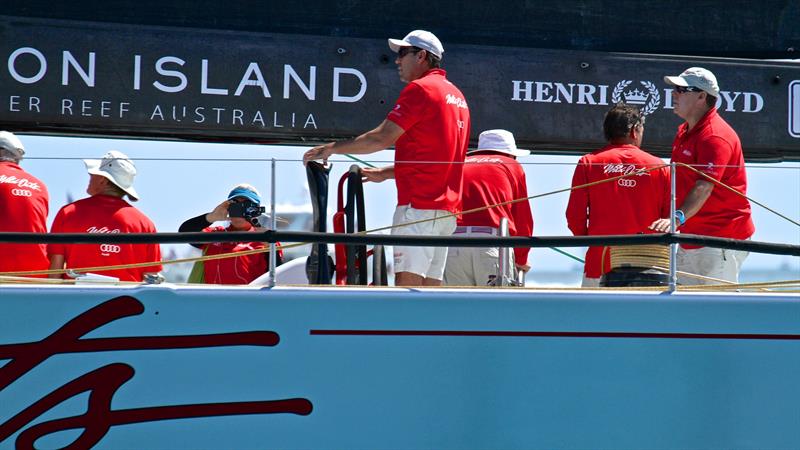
{"points": [[358, 160], [567, 254]]}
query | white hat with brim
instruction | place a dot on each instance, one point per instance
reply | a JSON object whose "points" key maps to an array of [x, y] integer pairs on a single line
{"points": [[697, 77], [420, 39], [500, 141], [12, 143], [117, 168]]}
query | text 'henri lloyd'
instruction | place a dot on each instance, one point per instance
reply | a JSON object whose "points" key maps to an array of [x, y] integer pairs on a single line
{"points": [[644, 93]]}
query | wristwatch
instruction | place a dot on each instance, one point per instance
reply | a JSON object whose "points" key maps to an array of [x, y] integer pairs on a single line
{"points": [[680, 216]]}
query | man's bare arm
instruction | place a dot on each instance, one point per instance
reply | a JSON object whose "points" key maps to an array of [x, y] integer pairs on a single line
{"points": [[56, 263], [372, 141], [693, 202]]}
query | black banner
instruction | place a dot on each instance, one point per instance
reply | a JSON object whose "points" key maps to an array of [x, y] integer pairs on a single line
{"points": [[106, 79]]}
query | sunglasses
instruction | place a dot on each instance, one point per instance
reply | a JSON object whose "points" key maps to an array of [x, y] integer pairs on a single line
{"points": [[681, 89], [406, 50]]}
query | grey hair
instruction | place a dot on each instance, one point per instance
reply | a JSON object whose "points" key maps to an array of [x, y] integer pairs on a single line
{"points": [[10, 156]]}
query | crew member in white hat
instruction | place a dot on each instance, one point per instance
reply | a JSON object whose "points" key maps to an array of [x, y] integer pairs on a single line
{"points": [[626, 206], [707, 143], [492, 175], [105, 211], [429, 126], [24, 203]]}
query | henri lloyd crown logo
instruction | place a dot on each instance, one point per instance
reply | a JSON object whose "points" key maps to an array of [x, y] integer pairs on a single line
{"points": [[648, 100]]}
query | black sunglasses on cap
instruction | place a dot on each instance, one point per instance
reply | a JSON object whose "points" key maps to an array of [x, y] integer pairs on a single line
{"points": [[681, 89]]}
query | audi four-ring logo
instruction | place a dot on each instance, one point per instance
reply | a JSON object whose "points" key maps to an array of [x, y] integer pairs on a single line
{"points": [[21, 193], [626, 182], [109, 248]]}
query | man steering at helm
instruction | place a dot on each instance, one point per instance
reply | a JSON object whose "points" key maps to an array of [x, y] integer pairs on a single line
{"points": [[243, 210]]}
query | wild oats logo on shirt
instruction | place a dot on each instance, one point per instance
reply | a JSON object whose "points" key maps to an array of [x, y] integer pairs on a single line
{"points": [[458, 101], [650, 99], [21, 182], [101, 230]]}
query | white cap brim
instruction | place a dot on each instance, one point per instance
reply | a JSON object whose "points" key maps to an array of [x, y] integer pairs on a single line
{"points": [[676, 81], [397, 44]]}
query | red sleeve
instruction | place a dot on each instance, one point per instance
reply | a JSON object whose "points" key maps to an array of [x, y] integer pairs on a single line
{"points": [[577, 207], [713, 154], [57, 227], [523, 218], [409, 108]]}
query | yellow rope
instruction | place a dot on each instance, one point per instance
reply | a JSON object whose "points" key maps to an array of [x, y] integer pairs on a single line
{"points": [[738, 193], [470, 211]]}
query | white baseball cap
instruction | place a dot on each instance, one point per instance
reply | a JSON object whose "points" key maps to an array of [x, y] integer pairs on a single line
{"points": [[501, 141], [118, 168], [420, 39], [697, 77], [12, 143]]}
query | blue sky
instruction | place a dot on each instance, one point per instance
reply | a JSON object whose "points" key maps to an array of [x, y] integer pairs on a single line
{"points": [[174, 190]]}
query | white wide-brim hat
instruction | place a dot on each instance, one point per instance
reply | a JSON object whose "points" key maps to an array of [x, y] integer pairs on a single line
{"points": [[501, 141], [118, 168]]}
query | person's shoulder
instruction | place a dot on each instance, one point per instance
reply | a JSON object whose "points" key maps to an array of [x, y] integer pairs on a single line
{"points": [[718, 127], [70, 209], [646, 156]]}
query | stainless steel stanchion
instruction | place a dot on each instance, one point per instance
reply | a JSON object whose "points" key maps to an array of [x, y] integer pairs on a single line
{"points": [[502, 258], [273, 261], [673, 248]]}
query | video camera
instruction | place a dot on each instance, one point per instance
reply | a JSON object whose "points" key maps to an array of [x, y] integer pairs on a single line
{"points": [[248, 210]]}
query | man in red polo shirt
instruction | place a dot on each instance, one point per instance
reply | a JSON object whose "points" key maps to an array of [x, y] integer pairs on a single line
{"points": [[24, 203], [429, 126], [708, 144], [105, 211], [240, 209], [625, 206], [492, 175]]}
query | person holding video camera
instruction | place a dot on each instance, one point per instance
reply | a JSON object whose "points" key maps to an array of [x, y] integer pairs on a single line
{"points": [[244, 211]]}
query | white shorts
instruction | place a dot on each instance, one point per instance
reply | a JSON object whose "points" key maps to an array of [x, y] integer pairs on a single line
{"points": [[475, 266], [709, 262], [590, 282], [427, 262]]}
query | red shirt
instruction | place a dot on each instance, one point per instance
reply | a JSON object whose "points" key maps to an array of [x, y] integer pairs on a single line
{"points": [[105, 214], [626, 206], [492, 178], [238, 270], [24, 205], [435, 118], [713, 148]]}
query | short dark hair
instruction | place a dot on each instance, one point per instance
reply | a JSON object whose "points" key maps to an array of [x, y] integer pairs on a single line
{"points": [[620, 119], [711, 101], [434, 62]]}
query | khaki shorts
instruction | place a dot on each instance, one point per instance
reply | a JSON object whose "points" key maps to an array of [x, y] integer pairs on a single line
{"points": [[475, 266], [590, 282], [709, 262], [427, 262]]}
